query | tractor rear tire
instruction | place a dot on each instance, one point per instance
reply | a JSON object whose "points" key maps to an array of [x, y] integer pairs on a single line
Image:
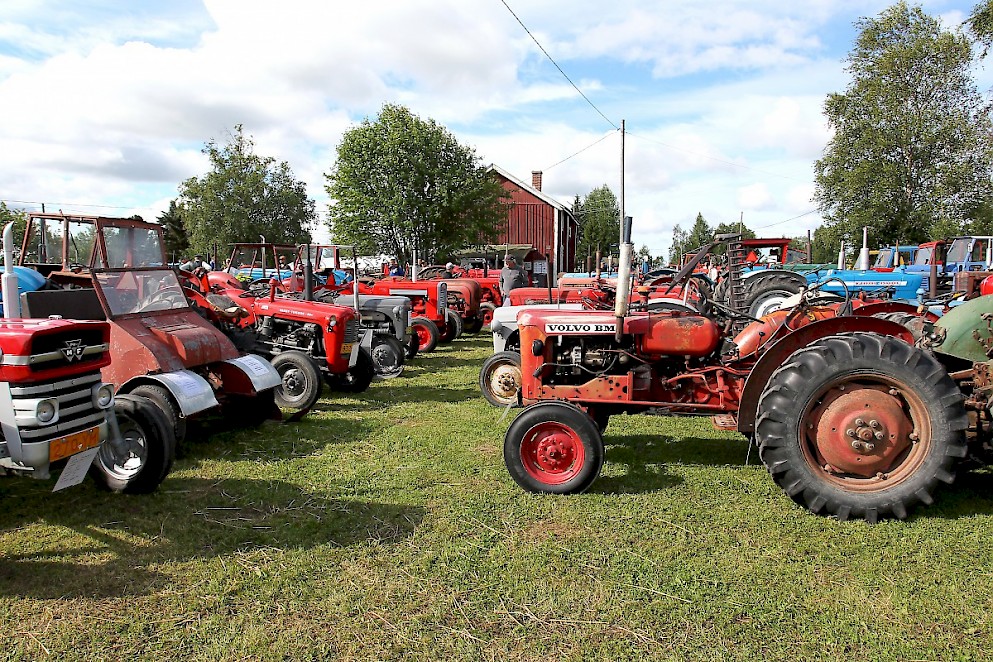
{"points": [[764, 292], [473, 325], [412, 346], [388, 355], [161, 396], [453, 327], [358, 377], [426, 332], [301, 380], [500, 379], [142, 458], [553, 448], [861, 426]]}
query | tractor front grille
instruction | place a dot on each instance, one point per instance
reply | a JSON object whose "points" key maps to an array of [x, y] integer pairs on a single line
{"points": [[352, 331], [76, 408]]}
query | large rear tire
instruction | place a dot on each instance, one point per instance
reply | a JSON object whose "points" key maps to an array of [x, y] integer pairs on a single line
{"points": [[163, 399], [766, 291], [301, 380], [138, 461], [554, 448], [861, 426], [500, 379]]}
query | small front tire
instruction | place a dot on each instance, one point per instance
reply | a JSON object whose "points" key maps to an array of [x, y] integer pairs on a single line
{"points": [[138, 461], [301, 380]]}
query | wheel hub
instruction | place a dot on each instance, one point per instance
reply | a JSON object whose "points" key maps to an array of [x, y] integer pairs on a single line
{"points": [[862, 431], [555, 453], [505, 380]]}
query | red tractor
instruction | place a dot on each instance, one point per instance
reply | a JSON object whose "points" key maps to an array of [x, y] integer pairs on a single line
{"points": [[479, 290], [115, 269], [432, 321], [850, 417], [58, 414], [305, 339]]}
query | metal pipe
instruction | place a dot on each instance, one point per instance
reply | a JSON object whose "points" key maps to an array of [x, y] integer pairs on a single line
{"points": [[11, 299], [308, 275]]}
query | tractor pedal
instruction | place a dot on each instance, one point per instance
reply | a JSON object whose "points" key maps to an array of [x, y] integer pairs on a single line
{"points": [[724, 421]]}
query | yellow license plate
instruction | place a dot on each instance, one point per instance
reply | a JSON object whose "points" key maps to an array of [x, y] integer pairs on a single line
{"points": [[73, 443], [346, 348]]}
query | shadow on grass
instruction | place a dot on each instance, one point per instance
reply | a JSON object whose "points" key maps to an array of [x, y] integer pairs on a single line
{"points": [[645, 457], [970, 494], [187, 519], [273, 441]]}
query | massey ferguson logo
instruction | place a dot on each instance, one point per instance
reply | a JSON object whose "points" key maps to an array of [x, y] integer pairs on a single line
{"points": [[579, 328], [73, 351]]}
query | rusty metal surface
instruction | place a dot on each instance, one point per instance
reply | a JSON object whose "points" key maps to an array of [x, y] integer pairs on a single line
{"points": [[777, 353]]}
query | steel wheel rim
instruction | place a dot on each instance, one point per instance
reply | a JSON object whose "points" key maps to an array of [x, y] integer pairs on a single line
{"points": [[769, 302], [898, 443], [504, 380], [386, 360], [294, 384], [423, 336], [126, 461], [552, 453]]}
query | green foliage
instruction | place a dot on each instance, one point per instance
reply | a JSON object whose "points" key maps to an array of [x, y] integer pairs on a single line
{"points": [[732, 228], [403, 185], [243, 196], [20, 220], [599, 221], [912, 151], [699, 235], [177, 244], [678, 246], [980, 23]]}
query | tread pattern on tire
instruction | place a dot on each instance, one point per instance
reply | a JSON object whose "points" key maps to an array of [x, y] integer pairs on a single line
{"points": [[788, 393]]}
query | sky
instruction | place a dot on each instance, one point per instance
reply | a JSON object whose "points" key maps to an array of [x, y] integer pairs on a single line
{"points": [[105, 106]]}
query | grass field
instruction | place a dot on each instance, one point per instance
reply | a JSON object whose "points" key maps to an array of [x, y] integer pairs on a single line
{"points": [[385, 526]]}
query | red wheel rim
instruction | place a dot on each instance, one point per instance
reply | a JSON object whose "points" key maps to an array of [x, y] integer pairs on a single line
{"points": [[552, 453], [487, 316], [423, 336]]}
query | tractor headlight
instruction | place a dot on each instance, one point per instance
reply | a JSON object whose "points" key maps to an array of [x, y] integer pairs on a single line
{"points": [[495, 326], [47, 410], [332, 322], [102, 396]]}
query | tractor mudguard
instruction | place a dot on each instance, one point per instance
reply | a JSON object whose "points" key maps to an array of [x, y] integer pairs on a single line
{"points": [[774, 357], [365, 342], [191, 392], [259, 371]]}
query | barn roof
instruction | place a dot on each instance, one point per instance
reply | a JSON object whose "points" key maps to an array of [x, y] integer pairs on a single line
{"points": [[544, 197]]}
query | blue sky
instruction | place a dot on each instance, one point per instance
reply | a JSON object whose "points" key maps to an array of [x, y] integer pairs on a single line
{"points": [[105, 109]]}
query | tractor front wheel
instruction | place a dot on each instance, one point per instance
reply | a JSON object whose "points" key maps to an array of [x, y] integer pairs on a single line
{"points": [[388, 355], [861, 426], [486, 312], [139, 460], [301, 380], [554, 448], [358, 377], [500, 378], [427, 334], [452, 328]]}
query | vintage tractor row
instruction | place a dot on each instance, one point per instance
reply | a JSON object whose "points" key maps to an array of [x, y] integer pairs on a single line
{"points": [[383, 321], [853, 415], [115, 270], [57, 413]]}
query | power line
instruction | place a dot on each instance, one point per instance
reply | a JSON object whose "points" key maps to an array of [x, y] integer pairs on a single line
{"points": [[806, 213], [566, 76], [72, 204], [580, 151]]}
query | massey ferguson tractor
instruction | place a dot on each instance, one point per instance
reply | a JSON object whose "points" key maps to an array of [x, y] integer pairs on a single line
{"points": [[859, 411], [58, 414], [115, 270], [305, 339]]}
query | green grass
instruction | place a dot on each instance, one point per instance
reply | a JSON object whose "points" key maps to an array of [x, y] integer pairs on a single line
{"points": [[385, 526]]}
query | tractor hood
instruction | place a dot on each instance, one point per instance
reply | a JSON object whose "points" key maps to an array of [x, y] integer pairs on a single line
{"points": [[300, 310]]}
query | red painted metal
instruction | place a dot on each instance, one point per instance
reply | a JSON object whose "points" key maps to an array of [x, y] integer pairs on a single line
{"points": [[552, 452], [861, 431]]}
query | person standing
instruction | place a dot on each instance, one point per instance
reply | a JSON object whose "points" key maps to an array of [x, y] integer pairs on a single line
{"points": [[395, 269], [511, 277]]}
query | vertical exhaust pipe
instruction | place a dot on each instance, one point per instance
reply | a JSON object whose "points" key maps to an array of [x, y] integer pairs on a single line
{"points": [[622, 304], [11, 299]]}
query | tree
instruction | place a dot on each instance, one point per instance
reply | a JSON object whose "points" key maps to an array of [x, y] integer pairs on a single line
{"points": [[20, 221], [243, 196], [403, 185], [732, 228], [912, 149], [599, 222], [700, 234], [174, 232], [980, 22], [678, 245]]}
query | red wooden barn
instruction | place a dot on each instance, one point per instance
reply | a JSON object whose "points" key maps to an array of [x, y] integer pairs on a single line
{"points": [[540, 222]]}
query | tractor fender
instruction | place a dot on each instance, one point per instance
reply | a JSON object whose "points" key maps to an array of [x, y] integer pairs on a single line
{"points": [[191, 392], [364, 342], [782, 349], [260, 373]]}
